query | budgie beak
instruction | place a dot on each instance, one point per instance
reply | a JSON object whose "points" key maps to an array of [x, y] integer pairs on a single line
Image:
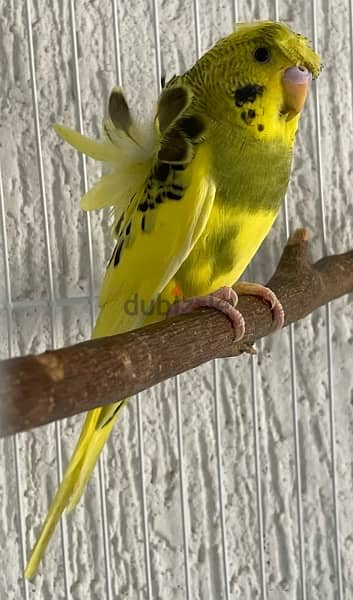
{"points": [[295, 81]]}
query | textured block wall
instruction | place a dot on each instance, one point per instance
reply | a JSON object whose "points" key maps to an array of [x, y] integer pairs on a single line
{"points": [[53, 259]]}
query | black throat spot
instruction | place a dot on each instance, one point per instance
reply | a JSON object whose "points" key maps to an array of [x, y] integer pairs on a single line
{"points": [[248, 93]]}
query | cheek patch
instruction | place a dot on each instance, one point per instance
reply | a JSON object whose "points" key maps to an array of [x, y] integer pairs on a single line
{"points": [[248, 94]]}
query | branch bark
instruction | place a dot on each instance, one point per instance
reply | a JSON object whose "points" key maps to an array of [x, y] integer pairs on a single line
{"points": [[36, 390]]}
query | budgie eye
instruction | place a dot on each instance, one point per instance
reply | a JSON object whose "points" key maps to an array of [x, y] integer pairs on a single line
{"points": [[262, 55]]}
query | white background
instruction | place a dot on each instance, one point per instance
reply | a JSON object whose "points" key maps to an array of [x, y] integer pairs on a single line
{"points": [[54, 264]]}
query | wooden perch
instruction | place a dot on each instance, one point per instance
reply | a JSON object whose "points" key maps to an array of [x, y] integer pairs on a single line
{"points": [[35, 390]]}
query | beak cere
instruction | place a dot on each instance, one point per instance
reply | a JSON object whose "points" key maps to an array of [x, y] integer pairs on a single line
{"points": [[295, 83]]}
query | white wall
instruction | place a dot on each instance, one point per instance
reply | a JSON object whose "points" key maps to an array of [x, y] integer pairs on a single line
{"points": [[36, 324]]}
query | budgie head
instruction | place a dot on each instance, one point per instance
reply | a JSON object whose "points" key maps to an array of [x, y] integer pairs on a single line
{"points": [[256, 79]]}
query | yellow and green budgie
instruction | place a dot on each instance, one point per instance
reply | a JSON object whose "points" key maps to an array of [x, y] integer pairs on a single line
{"points": [[194, 194]]}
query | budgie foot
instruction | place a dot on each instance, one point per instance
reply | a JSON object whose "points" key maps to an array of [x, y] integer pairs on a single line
{"points": [[244, 288], [225, 299]]}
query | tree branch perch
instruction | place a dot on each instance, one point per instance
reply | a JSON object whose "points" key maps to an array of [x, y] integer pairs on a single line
{"points": [[35, 390]]}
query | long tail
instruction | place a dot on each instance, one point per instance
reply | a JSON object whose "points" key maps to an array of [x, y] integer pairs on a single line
{"points": [[95, 432]]}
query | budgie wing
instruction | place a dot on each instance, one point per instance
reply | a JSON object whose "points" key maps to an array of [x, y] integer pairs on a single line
{"points": [[166, 213], [154, 237]]}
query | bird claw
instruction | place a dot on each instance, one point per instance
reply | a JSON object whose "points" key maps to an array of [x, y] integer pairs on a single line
{"points": [[224, 300], [244, 288]]}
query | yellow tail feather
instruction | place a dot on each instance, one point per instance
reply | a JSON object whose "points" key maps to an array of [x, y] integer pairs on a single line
{"points": [[94, 434], [93, 451], [103, 150]]}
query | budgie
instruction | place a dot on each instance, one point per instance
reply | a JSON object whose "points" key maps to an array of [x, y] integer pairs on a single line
{"points": [[194, 194]]}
